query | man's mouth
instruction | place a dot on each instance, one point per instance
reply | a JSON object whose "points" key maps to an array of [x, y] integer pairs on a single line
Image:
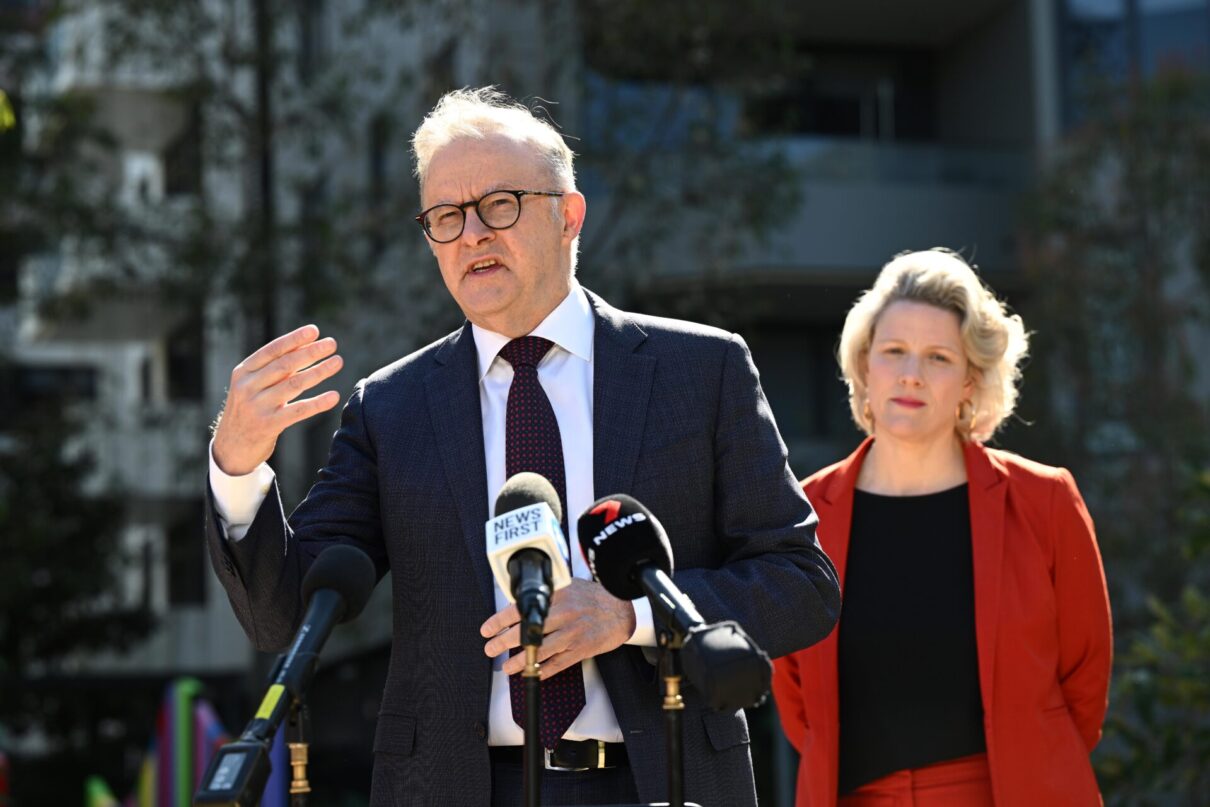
{"points": [[484, 266]]}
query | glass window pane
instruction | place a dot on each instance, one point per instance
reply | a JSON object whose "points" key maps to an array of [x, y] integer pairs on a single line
{"points": [[1096, 9], [1096, 54], [1173, 35]]}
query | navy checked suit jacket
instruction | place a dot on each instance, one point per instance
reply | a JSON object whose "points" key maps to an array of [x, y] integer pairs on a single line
{"points": [[679, 422]]}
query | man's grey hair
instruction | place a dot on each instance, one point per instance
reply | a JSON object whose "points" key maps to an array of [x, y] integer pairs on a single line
{"points": [[479, 112]]}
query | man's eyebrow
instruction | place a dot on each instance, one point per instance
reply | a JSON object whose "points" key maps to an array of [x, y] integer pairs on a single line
{"points": [[499, 186]]}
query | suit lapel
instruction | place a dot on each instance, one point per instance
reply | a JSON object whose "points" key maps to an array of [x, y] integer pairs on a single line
{"points": [[621, 390], [987, 492], [452, 390]]}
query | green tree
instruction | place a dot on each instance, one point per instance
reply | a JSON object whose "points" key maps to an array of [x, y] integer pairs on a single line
{"points": [[670, 135], [1158, 737], [1119, 251], [60, 595]]}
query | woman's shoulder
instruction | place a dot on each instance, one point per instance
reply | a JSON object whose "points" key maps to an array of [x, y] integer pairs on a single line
{"points": [[1022, 470], [825, 475]]}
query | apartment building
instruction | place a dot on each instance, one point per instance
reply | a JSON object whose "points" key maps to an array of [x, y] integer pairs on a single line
{"points": [[900, 125]]}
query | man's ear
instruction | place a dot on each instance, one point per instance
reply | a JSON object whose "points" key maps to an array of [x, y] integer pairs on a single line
{"points": [[575, 206]]}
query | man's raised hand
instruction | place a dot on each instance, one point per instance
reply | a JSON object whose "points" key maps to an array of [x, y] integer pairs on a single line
{"points": [[260, 400]]}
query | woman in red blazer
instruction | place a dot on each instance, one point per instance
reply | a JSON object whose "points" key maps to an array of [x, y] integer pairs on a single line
{"points": [[971, 662]]}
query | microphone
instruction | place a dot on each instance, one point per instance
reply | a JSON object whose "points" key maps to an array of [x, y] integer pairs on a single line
{"points": [[527, 551], [336, 589], [628, 551]]}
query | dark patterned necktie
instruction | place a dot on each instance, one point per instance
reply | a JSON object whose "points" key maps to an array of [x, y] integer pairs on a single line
{"points": [[532, 443]]}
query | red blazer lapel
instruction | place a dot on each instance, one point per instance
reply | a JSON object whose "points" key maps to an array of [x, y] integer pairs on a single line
{"points": [[987, 491], [832, 496], [836, 502]]}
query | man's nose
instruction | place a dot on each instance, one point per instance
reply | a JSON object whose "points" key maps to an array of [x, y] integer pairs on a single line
{"points": [[474, 231]]}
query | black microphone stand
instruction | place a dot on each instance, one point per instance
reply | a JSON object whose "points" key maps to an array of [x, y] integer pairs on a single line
{"points": [[298, 728], [531, 772], [674, 707]]}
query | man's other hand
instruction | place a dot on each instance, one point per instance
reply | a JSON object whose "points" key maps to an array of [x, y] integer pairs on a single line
{"points": [[584, 621], [260, 400]]}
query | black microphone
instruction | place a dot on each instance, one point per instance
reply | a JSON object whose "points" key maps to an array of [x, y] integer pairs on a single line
{"points": [[526, 549], [629, 554], [628, 551], [336, 588]]}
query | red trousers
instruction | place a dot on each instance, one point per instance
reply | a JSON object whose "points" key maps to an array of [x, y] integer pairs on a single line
{"points": [[956, 783]]}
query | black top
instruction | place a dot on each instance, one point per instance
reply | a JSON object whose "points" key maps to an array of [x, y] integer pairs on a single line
{"points": [[909, 672]]}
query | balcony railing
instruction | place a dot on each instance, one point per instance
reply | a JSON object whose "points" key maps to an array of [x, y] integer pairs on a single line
{"points": [[854, 160], [151, 451]]}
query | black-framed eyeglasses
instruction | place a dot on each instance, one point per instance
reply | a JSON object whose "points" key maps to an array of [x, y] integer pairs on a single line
{"points": [[498, 210]]}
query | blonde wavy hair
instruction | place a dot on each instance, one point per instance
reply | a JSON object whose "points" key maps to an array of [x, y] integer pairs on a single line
{"points": [[995, 341], [479, 112]]}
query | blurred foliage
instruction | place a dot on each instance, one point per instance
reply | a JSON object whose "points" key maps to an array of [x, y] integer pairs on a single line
{"points": [[661, 139], [61, 559], [56, 187], [1157, 742], [1119, 251], [7, 119], [62, 563], [666, 147], [667, 141]]}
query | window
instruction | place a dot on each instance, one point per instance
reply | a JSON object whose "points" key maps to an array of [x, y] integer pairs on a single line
{"points": [[1173, 35], [1096, 54], [1106, 43], [312, 267], [186, 557], [378, 150], [883, 95], [801, 379], [185, 365], [183, 159], [440, 71], [311, 40], [46, 384]]}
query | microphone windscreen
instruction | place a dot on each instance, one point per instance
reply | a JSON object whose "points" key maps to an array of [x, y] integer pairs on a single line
{"points": [[619, 537], [524, 489], [726, 666], [346, 570]]}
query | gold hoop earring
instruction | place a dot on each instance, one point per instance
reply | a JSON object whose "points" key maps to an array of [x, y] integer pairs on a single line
{"points": [[964, 421]]}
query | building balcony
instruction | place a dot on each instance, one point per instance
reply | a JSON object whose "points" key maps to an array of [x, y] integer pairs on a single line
{"points": [[862, 202], [150, 451], [859, 203], [90, 49]]}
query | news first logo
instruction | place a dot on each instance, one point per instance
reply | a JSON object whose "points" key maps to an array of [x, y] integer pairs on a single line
{"points": [[520, 525]]}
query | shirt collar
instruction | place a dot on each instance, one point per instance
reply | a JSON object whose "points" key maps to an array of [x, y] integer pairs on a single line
{"points": [[570, 326]]}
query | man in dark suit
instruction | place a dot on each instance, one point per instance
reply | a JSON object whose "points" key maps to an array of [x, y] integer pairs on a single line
{"points": [[668, 411]]}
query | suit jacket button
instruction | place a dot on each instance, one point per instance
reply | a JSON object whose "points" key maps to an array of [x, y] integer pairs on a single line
{"points": [[480, 731]]}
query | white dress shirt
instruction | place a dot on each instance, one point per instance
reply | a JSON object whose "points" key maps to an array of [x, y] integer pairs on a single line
{"points": [[565, 374]]}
